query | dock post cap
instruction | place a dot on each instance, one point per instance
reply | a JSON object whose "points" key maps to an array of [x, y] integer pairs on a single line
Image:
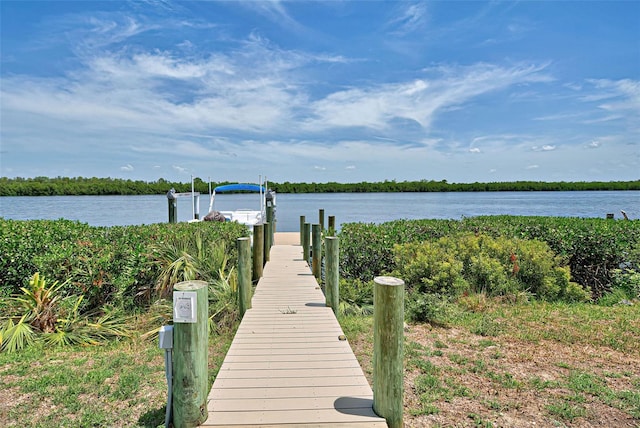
{"points": [[388, 280], [190, 285]]}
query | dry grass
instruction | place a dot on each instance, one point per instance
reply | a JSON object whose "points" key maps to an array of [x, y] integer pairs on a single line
{"points": [[553, 369]]}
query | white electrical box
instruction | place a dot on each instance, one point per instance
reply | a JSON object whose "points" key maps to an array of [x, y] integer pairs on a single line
{"points": [[185, 307], [165, 337]]}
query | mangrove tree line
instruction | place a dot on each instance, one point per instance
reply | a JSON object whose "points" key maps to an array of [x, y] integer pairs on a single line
{"points": [[46, 186]]}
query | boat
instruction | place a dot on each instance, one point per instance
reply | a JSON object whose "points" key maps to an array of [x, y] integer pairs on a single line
{"points": [[246, 216]]}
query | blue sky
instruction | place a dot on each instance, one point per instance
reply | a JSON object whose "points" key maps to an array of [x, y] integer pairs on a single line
{"points": [[312, 91]]}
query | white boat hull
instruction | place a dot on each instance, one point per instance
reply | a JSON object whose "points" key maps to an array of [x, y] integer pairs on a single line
{"points": [[247, 217]]}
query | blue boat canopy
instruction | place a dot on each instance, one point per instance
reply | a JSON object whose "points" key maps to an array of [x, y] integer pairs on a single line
{"points": [[239, 187]]}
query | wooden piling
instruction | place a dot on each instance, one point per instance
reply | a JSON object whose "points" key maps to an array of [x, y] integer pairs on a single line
{"points": [[331, 231], [258, 251], [316, 253], [332, 277], [271, 218], [173, 206], [267, 241], [244, 275], [190, 357], [306, 241], [388, 341], [321, 218], [302, 221]]}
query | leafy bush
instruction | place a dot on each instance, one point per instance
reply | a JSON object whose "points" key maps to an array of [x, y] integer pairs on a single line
{"points": [[430, 268], [626, 287], [592, 248], [106, 265], [356, 297], [185, 258], [366, 250], [481, 264], [426, 307]]}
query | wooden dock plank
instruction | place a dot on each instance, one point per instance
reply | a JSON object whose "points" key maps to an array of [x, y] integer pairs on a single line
{"points": [[302, 402], [289, 364], [289, 392], [310, 382], [296, 416]]}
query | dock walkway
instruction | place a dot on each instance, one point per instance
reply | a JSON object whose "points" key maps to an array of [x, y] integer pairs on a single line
{"points": [[287, 365]]}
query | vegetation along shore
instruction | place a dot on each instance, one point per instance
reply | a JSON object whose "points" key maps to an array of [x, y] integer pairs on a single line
{"points": [[45, 186], [511, 320]]}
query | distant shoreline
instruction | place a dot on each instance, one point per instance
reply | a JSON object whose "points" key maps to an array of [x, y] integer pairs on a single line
{"points": [[79, 186]]}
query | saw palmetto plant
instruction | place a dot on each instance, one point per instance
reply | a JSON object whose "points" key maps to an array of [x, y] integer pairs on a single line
{"points": [[42, 313]]}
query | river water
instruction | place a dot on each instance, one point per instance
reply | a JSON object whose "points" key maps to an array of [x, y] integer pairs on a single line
{"points": [[346, 207]]}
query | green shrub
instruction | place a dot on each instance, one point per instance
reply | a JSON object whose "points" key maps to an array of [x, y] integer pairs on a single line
{"points": [[106, 265], [480, 264], [356, 297], [427, 268], [425, 307], [592, 248], [366, 250], [626, 287]]}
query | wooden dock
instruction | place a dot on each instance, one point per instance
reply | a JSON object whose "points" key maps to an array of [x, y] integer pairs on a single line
{"points": [[287, 365]]}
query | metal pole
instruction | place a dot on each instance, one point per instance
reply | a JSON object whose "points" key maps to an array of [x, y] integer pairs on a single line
{"points": [[196, 206], [193, 200]]}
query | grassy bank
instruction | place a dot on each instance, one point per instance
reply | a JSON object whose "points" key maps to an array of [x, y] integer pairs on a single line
{"points": [[496, 337], [491, 364], [119, 385], [539, 364]]}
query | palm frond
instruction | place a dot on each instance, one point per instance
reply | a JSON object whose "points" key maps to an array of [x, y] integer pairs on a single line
{"points": [[17, 336], [110, 325], [352, 308]]}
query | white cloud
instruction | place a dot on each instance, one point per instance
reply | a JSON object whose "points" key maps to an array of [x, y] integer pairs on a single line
{"points": [[411, 17], [180, 169], [623, 94], [274, 10], [532, 167], [594, 144], [223, 104], [544, 148], [419, 100]]}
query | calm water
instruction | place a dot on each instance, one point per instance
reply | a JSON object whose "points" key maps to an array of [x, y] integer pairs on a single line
{"points": [[347, 207]]}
